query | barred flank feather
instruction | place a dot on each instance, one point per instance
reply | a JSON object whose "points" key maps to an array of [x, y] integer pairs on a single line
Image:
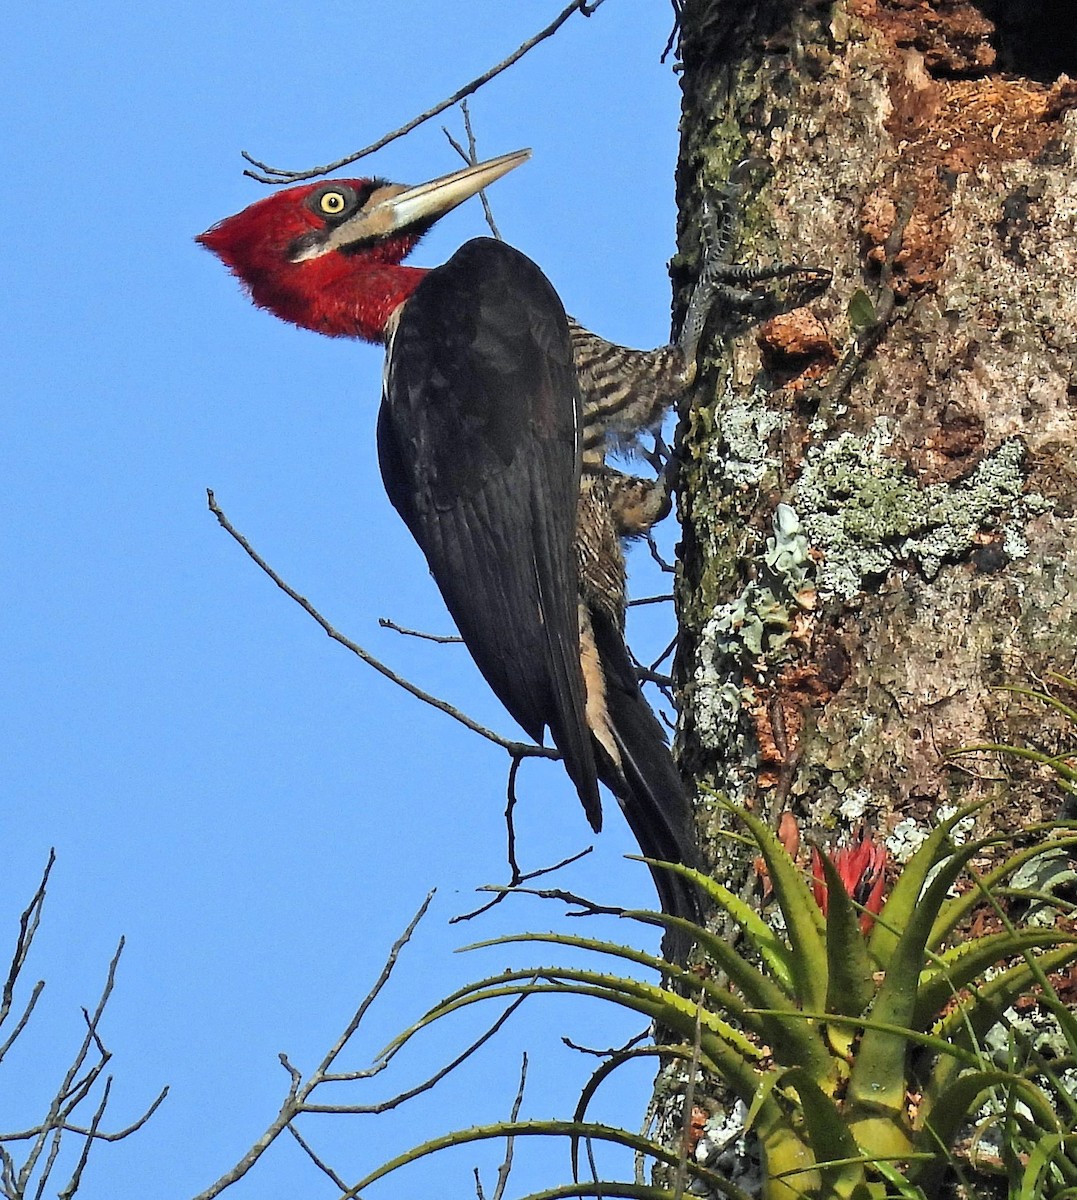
{"points": [[625, 392]]}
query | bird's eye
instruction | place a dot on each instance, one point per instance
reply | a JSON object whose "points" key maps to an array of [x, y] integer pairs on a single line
{"points": [[332, 203]]}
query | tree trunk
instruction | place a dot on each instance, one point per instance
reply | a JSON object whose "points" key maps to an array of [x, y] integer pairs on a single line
{"points": [[878, 491]]}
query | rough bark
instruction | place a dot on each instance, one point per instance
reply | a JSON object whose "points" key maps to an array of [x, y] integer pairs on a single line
{"points": [[918, 423]]}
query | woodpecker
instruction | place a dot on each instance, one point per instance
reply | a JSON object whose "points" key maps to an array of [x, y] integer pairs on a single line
{"points": [[496, 414]]}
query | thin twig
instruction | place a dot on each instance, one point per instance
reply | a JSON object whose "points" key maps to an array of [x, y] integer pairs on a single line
{"points": [[80, 1166], [588, 908], [382, 1106], [298, 1092], [505, 1169], [609, 1053], [672, 39], [47, 1137], [663, 656], [646, 675], [666, 567], [689, 1104], [28, 924], [442, 639], [510, 824], [264, 173], [322, 1166], [517, 749], [471, 157], [72, 1090], [117, 1135], [20, 1024], [504, 890], [650, 600]]}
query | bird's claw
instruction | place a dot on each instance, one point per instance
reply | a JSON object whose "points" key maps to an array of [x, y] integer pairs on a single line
{"points": [[735, 285]]}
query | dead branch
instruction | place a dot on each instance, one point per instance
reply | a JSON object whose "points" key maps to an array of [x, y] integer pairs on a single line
{"points": [[298, 1100], [442, 639], [28, 924], [298, 1091], [46, 1138], [504, 890], [665, 567], [587, 908], [505, 1169], [471, 157], [431, 1081], [510, 825], [637, 603], [518, 876], [322, 1166], [614, 1051], [264, 173], [516, 749]]}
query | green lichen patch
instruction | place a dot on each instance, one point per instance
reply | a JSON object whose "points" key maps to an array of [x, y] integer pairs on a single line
{"points": [[865, 512]]}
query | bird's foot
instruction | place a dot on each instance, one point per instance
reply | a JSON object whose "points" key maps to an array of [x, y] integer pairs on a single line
{"points": [[735, 286], [636, 504]]}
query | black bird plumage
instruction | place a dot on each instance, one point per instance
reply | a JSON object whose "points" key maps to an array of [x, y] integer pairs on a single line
{"points": [[480, 440]]}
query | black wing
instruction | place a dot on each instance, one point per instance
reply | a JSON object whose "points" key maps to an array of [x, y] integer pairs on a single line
{"points": [[479, 449]]}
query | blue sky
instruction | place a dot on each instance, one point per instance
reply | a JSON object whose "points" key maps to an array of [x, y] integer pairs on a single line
{"points": [[257, 812]]}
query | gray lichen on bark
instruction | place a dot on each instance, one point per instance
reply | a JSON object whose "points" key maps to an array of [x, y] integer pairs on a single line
{"points": [[867, 515], [936, 492]]}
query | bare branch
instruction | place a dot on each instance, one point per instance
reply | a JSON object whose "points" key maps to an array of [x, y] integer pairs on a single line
{"points": [[613, 1051], [508, 889], [28, 923], [510, 825], [647, 675], [588, 908], [264, 173], [394, 1101], [324, 1167], [118, 1135], [46, 1137], [471, 157], [505, 1169], [442, 639], [516, 749], [663, 656], [672, 34], [70, 1092], [76, 1176], [650, 600], [20, 1025], [666, 567], [298, 1092]]}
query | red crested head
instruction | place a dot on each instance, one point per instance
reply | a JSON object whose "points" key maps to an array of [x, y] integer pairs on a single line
{"points": [[327, 256], [284, 251]]}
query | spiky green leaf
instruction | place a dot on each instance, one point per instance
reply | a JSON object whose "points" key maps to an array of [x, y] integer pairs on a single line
{"points": [[956, 909], [904, 897], [775, 953], [518, 1129], [803, 920], [850, 987], [966, 962]]}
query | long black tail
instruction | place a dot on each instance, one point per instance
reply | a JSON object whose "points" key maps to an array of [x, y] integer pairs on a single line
{"points": [[648, 786]]}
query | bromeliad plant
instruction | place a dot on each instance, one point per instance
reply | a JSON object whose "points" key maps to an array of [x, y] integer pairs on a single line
{"points": [[856, 1054]]}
